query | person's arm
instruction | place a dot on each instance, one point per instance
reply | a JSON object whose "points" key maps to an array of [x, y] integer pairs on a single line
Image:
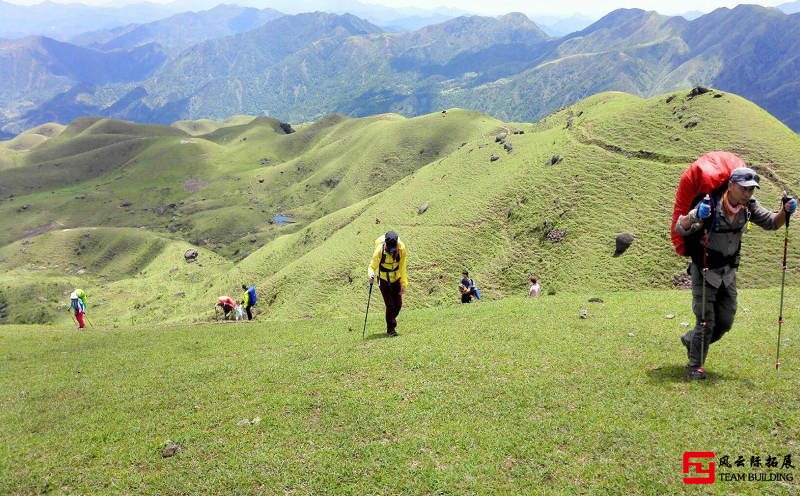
{"points": [[765, 219], [403, 272], [373, 265]]}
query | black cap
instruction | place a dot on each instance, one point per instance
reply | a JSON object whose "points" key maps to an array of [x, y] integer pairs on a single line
{"points": [[390, 241]]}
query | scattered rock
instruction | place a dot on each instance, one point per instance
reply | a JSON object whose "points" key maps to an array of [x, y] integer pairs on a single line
{"points": [[630, 334], [500, 138], [555, 235], [684, 324], [508, 146], [697, 91], [171, 449], [190, 255], [179, 294], [287, 128], [421, 210], [494, 158], [519, 131], [623, 241], [669, 316], [556, 159], [260, 179], [719, 95], [253, 239], [81, 272], [583, 313], [691, 123], [125, 204], [41, 298], [25, 206], [377, 220], [595, 299], [670, 98]]}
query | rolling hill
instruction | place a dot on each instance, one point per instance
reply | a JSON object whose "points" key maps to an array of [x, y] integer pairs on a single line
{"points": [[551, 206]]}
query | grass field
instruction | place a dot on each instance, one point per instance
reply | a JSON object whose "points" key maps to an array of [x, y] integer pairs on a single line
{"points": [[518, 396]]}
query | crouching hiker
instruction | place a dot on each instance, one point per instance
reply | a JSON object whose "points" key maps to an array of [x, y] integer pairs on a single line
{"points": [[249, 300], [390, 260], [712, 231], [226, 304], [468, 289], [77, 305]]}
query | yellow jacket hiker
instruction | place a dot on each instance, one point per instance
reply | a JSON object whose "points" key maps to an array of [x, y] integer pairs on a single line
{"points": [[390, 261]]}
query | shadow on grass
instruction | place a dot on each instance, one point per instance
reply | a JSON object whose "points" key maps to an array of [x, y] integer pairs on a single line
{"points": [[677, 373], [377, 335]]}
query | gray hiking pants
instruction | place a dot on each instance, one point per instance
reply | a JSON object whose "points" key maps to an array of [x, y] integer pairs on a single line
{"points": [[720, 310]]}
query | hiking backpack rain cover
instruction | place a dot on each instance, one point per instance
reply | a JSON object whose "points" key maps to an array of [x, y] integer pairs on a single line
{"points": [[706, 174]]}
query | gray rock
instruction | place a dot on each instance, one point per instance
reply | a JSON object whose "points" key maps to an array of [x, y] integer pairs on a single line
{"points": [[423, 208], [190, 255], [624, 241]]}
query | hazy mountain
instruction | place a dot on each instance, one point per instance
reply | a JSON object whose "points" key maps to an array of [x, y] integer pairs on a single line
{"points": [[180, 31], [301, 67], [35, 70], [62, 21]]}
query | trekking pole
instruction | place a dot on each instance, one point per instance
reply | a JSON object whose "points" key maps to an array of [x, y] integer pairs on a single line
{"points": [[73, 318], [369, 297], [704, 321], [783, 281]]}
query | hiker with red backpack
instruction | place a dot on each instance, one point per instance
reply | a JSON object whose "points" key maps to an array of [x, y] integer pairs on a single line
{"points": [[710, 233], [390, 260]]}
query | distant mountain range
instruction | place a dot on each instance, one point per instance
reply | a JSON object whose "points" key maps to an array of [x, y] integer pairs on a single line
{"points": [[300, 67]]}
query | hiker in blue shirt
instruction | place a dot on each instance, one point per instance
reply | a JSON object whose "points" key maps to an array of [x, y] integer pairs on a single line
{"points": [[249, 300]]}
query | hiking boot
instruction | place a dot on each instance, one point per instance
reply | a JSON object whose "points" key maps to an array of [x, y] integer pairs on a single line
{"points": [[686, 344], [695, 373], [391, 333]]}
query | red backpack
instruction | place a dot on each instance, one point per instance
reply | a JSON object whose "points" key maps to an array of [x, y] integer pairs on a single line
{"points": [[706, 174]]}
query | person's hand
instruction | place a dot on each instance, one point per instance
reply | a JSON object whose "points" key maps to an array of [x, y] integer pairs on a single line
{"points": [[704, 210], [371, 280], [789, 204]]}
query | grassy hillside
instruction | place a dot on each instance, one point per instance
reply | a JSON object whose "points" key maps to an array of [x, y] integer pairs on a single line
{"points": [[510, 397], [551, 206]]}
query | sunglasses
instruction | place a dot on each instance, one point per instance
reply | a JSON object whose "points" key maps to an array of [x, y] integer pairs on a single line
{"points": [[745, 177]]}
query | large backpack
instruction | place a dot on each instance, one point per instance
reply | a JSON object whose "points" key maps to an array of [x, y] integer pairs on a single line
{"points": [[251, 291], [707, 174]]}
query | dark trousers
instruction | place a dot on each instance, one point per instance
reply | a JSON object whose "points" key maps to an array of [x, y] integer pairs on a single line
{"points": [[719, 314], [249, 313], [394, 302]]}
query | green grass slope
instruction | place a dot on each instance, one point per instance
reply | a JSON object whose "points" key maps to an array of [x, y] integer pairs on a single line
{"points": [[518, 396], [551, 206], [122, 269], [622, 157]]}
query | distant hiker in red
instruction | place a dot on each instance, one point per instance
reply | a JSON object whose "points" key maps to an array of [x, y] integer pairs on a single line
{"points": [[227, 305], [390, 260], [77, 305], [712, 231]]}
